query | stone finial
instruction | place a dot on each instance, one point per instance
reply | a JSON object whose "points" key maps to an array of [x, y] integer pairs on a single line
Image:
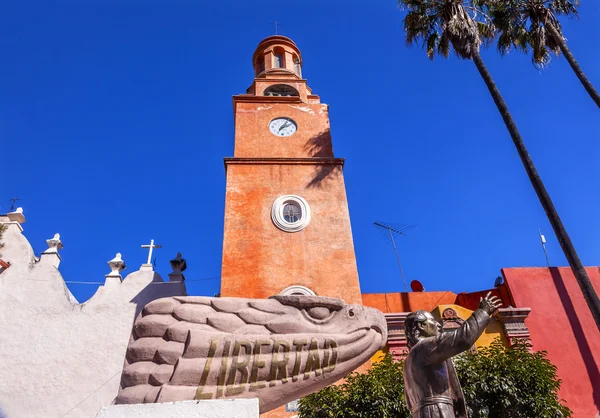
{"points": [[54, 245], [51, 254], [178, 264], [117, 265], [17, 216]]}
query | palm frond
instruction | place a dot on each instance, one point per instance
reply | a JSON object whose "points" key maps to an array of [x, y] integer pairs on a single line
{"points": [[444, 24], [522, 25], [487, 32], [541, 57], [444, 45], [564, 7], [504, 43], [431, 44]]}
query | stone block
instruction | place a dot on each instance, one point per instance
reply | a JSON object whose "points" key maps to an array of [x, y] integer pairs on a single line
{"points": [[277, 350], [229, 408]]}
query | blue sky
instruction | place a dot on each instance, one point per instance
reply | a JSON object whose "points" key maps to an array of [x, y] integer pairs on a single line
{"points": [[115, 117]]}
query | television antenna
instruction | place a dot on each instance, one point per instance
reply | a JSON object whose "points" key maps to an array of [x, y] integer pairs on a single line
{"points": [[388, 231], [543, 240]]}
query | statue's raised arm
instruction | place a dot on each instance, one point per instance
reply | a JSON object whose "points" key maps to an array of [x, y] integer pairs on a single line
{"points": [[432, 389]]}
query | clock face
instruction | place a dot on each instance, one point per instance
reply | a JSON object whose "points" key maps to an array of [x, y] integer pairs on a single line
{"points": [[283, 127]]}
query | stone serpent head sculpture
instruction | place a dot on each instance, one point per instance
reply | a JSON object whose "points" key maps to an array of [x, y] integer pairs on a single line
{"points": [[277, 349]]}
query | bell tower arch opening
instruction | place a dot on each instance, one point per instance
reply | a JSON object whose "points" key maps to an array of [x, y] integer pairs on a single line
{"points": [[281, 90], [278, 57], [297, 65]]}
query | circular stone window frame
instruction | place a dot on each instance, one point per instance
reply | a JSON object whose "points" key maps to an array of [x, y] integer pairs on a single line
{"points": [[279, 220], [297, 290]]}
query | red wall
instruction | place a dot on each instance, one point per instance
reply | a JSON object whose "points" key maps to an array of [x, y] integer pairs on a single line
{"points": [[471, 300], [561, 323]]}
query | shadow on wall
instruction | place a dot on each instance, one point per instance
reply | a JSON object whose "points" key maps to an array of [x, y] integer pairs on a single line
{"points": [[319, 146], [578, 331], [405, 302], [156, 290]]}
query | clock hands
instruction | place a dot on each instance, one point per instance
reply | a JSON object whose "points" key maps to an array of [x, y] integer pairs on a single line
{"points": [[287, 122]]}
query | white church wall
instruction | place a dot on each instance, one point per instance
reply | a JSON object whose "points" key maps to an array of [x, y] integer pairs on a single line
{"points": [[61, 358], [222, 408]]}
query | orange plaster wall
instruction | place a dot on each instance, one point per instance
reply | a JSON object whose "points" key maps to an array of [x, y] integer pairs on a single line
{"points": [[561, 323], [253, 138], [279, 413], [260, 260], [407, 301]]}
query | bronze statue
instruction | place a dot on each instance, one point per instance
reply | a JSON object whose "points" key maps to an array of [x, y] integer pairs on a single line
{"points": [[431, 386]]}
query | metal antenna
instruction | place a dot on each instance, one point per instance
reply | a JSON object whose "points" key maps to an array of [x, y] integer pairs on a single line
{"points": [[388, 231], [543, 239], [12, 203], [276, 28]]}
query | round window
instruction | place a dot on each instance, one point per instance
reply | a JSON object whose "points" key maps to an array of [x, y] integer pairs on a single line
{"points": [[290, 213]]}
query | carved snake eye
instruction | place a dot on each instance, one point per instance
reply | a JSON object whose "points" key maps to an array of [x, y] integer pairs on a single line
{"points": [[318, 312], [351, 313]]}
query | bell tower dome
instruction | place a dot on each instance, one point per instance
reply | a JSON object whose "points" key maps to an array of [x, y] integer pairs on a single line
{"points": [[277, 64], [277, 55], [287, 227]]}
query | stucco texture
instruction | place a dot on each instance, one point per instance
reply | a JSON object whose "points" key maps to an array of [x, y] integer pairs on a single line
{"points": [[407, 302], [259, 259], [230, 408], [61, 358], [561, 323]]}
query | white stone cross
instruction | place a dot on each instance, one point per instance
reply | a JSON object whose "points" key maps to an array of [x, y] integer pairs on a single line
{"points": [[151, 246]]}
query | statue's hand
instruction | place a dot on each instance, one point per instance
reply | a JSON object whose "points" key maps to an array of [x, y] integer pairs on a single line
{"points": [[490, 303]]}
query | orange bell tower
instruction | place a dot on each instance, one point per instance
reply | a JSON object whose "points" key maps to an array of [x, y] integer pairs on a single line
{"points": [[287, 226]]}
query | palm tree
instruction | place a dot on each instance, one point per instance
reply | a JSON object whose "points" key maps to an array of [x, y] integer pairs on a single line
{"points": [[463, 25], [533, 24]]}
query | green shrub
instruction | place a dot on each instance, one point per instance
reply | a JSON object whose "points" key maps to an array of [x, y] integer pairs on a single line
{"points": [[498, 382]]}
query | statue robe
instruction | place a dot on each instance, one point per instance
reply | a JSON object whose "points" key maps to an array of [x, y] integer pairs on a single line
{"points": [[431, 386]]}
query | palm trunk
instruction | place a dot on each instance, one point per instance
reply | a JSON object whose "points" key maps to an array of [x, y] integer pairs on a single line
{"points": [[573, 63], [563, 238]]}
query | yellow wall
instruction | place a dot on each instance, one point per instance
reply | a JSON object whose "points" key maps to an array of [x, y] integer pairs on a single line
{"points": [[493, 330], [380, 354]]}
